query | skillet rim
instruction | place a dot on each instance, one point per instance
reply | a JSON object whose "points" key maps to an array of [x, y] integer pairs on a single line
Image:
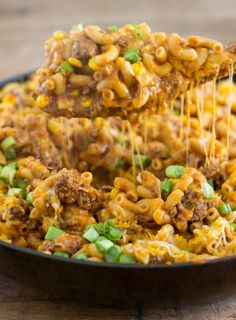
{"points": [[20, 77]]}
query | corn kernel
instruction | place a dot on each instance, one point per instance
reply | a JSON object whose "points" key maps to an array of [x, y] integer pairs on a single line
{"points": [[50, 84], [60, 35], [92, 65], [138, 67], [43, 101], [9, 99], [113, 193], [54, 126], [86, 102], [75, 62], [224, 87], [74, 93], [31, 101]]}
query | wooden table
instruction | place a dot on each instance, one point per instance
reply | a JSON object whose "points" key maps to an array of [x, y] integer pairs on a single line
{"points": [[24, 26]]}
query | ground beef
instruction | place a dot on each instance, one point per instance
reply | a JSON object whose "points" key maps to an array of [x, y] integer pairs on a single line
{"points": [[70, 189], [84, 48], [215, 173], [194, 200], [68, 243]]}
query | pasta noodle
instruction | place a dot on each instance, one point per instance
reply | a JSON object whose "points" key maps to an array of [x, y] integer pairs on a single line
{"points": [[159, 188], [125, 70]]}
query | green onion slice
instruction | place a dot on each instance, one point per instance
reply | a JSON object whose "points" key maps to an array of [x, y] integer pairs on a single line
{"points": [[140, 34], [8, 174], [103, 244], [7, 143], [78, 27], [53, 232], [208, 191], [177, 112], [211, 182], [126, 258], [12, 165], [91, 234], [135, 24], [224, 208], [120, 164], [61, 254], [109, 231], [29, 198], [21, 183], [16, 192], [174, 171], [167, 187], [143, 159], [121, 138], [115, 234], [80, 256], [10, 154], [65, 67], [113, 28], [132, 55], [113, 254]]}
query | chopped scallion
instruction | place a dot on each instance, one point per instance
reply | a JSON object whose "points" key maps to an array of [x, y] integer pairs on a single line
{"points": [[16, 192], [177, 112], [208, 191], [174, 171], [7, 143], [126, 258], [140, 34], [143, 159], [224, 208], [113, 254], [100, 228], [135, 24], [80, 256], [120, 164], [166, 187], [12, 165], [108, 230], [21, 183], [121, 138], [115, 234], [61, 254], [65, 67], [10, 154], [91, 234], [8, 174], [78, 27], [29, 198], [113, 28], [53, 232], [132, 55], [211, 182], [103, 244]]}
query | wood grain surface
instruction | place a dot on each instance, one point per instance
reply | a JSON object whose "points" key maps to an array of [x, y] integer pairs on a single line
{"points": [[24, 26]]}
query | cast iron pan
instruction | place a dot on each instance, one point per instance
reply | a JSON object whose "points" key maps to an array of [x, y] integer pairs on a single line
{"points": [[108, 284]]}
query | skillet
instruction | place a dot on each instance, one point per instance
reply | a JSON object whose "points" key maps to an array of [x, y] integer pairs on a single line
{"points": [[110, 283]]}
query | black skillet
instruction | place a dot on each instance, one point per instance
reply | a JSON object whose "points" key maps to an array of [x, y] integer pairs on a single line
{"points": [[103, 283]]}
